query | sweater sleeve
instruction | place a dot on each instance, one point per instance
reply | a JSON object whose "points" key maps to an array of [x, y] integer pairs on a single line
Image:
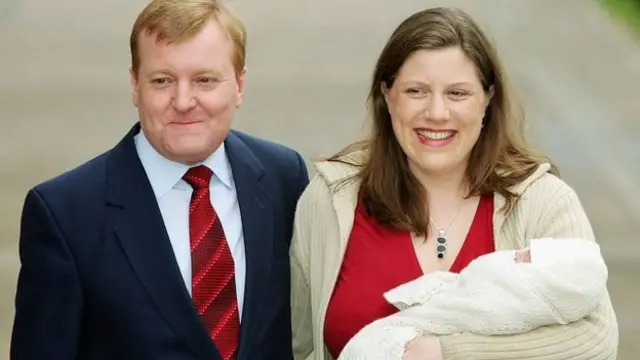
{"points": [[312, 199], [595, 337]]}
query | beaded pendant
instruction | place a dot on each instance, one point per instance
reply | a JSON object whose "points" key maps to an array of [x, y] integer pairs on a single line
{"points": [[441, 248]]}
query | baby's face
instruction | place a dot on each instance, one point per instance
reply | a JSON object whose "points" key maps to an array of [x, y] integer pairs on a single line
{"points": [[523, 256]]}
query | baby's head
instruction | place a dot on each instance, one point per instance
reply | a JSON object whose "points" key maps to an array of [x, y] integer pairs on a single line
{"points": [[522, 256]]}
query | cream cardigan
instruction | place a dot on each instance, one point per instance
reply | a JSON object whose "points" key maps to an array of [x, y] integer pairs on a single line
{"points": [[494, 295], [546, 207]]}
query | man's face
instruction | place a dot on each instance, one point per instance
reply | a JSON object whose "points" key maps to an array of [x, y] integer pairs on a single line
{"points": [[186, 93]]}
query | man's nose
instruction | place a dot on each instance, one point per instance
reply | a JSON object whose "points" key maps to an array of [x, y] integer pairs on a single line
{"points": [[184, 98]]}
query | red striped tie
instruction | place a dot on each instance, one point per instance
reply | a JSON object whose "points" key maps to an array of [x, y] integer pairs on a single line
{"points": [[213, 275]]}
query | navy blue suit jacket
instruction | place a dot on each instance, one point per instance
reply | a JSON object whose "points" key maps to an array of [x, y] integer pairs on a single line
{"points": [[99, 279]]}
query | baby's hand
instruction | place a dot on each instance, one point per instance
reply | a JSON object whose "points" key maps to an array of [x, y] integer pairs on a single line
{"points": [[523, 256]]}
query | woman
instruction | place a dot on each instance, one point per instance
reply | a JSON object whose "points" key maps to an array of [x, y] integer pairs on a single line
{"points": [[445, 177]]}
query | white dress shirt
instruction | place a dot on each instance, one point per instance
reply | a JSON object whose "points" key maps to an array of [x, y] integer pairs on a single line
{"points": [[174, 195]]}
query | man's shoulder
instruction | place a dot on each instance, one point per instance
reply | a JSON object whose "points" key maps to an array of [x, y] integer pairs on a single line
{"points": [[284, 167], [264, 148], [273, 156], [87, 175]]}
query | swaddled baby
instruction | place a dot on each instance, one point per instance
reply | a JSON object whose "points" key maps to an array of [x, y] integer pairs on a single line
{"points": [[554, 281]]}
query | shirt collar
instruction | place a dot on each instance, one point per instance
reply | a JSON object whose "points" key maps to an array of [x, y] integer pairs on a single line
{"points": [[165, 174]]}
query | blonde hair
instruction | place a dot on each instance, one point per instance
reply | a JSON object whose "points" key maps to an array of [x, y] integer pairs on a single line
{"points": [[180, 20]]}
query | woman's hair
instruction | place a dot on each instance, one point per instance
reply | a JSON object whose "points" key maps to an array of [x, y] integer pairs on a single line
{"points": [[501, 157]]}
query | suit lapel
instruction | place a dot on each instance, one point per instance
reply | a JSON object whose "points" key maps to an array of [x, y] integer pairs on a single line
{"points": [[140, 229], [256, 208]]}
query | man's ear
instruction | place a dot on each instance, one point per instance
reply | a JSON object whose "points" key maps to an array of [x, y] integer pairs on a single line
{"points": [[133, 78], [240, 78]]}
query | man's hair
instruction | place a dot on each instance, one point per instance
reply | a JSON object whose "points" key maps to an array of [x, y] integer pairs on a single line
{"points": [[180, 20]]}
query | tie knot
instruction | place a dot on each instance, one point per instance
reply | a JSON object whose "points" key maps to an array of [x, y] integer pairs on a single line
{"points": [[198, 177]]}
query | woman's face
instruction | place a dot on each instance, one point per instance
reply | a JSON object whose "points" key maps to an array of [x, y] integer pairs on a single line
{"points": [[437, 106]]}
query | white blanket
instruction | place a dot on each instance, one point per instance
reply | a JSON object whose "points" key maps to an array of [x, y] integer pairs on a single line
{"points": [[494, 295]]}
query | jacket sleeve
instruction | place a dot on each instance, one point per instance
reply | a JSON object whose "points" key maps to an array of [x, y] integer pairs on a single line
{"points": [[48, 300], [595, 337]]}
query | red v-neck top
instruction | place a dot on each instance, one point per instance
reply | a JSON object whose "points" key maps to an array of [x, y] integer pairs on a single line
{"points": [[377, 260]]}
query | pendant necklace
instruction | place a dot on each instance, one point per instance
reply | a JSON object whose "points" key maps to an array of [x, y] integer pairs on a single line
{"points": [[441, 248]]}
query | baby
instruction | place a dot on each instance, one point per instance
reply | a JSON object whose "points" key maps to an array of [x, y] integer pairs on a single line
{"points": [[554, 281]]}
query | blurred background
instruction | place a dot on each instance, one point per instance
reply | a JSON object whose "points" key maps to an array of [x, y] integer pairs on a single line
{"points": [[64, 98]]}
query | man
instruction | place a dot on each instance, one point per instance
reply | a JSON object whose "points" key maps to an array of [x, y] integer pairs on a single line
{"points": [[173, 244]]}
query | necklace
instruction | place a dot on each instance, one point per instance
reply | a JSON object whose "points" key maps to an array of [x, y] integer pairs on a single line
{"points": [[441, 248]]}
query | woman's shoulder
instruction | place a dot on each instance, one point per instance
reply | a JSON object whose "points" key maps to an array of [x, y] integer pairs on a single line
{"points": [[547, 207], [326, 205], [550, 200], [543, 186], [333, 177], [340, 167]]}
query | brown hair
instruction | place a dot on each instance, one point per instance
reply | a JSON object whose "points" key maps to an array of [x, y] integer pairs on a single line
{"points": [[180, 20], [500, 159]]}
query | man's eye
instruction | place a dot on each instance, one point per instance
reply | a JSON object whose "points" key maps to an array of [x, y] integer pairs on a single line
{"points": [[207, 80], [160, 81]]}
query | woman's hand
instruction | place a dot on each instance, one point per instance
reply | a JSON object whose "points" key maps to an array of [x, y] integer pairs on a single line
{"points": [[423, 348]]}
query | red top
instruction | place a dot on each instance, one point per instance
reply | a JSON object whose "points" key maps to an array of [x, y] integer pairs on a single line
{"points": [[377, 260]]}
